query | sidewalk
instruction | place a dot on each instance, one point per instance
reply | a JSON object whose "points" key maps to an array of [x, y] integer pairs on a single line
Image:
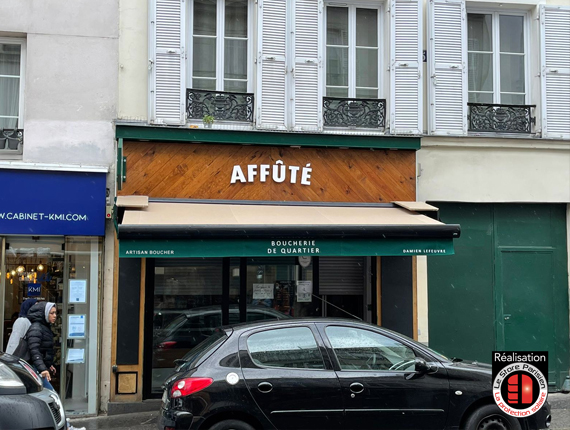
{"points": [[560, 404]]}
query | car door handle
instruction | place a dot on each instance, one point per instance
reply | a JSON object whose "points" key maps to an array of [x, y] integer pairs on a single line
{"points": [[265, 387], [356, 387]]}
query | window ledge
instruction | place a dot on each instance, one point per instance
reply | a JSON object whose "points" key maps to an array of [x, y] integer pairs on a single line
{"points": [[495, 141]]}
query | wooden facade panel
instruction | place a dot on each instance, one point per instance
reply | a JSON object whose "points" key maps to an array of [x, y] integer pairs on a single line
{"points": [[203, 171]]}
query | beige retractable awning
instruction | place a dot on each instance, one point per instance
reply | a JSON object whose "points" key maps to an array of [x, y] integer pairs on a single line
{"points": [[257, 225]]}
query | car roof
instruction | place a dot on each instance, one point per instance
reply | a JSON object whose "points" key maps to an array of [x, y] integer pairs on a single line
{"points": [[296, 321]]}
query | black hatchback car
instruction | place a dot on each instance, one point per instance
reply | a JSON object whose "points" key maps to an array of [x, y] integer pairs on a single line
{"points": [[329, 374]]}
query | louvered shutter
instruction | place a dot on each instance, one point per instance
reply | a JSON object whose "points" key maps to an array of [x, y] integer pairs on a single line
{"points": [[167, 62], [447, 61], [341, 275], [405, 67], [555, 74], [307, 97], [271, 63]]}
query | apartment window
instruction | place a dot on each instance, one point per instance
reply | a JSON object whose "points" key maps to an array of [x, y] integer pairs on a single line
{"points": [[11, 82], [352, 54], [219, 31], [497, 58]]}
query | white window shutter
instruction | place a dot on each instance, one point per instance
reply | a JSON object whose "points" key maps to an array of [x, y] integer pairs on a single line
{"points": [[167, 62], [406, 97], [307, 94], [447, 62], [555, 71], [271, 64]]}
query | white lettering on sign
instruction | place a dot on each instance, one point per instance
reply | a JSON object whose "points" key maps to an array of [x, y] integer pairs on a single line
{"points": [[278, 173], [41, 216]]}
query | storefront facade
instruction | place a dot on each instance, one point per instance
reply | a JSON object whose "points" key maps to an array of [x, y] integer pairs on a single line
{"points": [[212, 233], [52, 224]]}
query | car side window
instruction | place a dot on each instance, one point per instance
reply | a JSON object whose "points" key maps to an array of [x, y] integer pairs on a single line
{"points": [[359, 349], [293, 347]]}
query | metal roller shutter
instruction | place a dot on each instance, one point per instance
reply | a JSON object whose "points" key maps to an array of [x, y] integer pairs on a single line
{"points": [[342, 275]]}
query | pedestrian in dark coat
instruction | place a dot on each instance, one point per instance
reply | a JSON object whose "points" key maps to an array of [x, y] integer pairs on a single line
{"points": [[40, 339]]}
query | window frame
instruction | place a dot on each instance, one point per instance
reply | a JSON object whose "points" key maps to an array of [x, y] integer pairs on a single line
{"points": [[220, 41], [352, 6], [23, 55], [496, 54]]}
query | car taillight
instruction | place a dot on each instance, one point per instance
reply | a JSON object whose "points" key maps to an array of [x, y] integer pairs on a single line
{"points": [[167, 344], [187, 386]]}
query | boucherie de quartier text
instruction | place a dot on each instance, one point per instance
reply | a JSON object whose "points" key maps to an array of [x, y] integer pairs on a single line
{"points": [[518, 358]]}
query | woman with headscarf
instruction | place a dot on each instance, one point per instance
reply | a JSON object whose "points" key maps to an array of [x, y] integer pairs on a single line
{"points": [[40, 339], [21, 326]]}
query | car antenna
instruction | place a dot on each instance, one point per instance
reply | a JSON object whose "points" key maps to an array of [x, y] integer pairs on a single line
{"points": [[340, 309]]}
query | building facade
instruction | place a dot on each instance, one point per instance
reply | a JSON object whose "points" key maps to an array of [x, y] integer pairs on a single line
{"points": [[266, 164], [58, 94], [213, 94], [496, 158]]}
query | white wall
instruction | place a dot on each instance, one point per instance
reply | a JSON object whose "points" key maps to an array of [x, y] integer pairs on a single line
{"points": [[485, 170], [71, 77], [133, 60]]}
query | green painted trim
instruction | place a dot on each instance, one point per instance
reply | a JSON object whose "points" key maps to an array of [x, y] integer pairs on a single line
{"points": [[120, 165], [266, 247], [172, 134]]}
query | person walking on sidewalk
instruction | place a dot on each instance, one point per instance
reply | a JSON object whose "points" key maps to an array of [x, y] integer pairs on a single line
{"points": [[40, 340], [20, 327]]}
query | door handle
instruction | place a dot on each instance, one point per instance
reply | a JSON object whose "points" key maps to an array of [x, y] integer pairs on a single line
{"points": [[356, 387], [507, 317], [265, 387]]}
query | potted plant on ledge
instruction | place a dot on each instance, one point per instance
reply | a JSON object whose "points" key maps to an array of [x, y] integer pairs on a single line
{"points": [[208, 120]]}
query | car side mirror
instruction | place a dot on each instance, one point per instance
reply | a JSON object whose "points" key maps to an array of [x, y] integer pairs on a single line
{"points": [[420, 368]]}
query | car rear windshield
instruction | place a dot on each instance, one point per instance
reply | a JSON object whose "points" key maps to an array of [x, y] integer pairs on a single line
{"points": [[200, 352]]}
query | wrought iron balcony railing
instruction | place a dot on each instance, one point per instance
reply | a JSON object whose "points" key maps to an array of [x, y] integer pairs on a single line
{"points": [[223, 106], [364, 113], [11, 140], [499, 118]]}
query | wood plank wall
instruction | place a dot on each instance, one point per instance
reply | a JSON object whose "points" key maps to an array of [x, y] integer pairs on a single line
{"points": [[203, 171]]}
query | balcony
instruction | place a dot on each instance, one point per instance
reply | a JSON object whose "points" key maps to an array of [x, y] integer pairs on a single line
{"points": [[354, 113], [497, 118], [11, 141], [223, 106]]}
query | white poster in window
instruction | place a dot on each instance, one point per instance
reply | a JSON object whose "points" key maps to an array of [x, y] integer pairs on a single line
{"points": [[76, 326], [304, 291], [77, 290], [75, 355], [262, 291]]}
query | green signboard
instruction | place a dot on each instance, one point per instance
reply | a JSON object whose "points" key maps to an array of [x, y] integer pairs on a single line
{"points": [[282, 247]]}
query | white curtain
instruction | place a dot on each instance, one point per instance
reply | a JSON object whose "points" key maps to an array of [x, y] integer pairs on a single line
{"points": [[9, 85]]}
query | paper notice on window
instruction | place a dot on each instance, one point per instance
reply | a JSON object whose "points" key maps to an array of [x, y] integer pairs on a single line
{"points": [[75, 355], [76, 326], [304, 291], [77, 290], [263, 291]]}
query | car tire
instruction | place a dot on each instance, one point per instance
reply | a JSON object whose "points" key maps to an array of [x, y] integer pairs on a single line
{"points": [[491, 417], [231, 425]]}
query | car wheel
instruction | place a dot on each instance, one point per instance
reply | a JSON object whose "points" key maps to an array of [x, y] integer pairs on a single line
{"points": [[231, 425], [490, 417]]}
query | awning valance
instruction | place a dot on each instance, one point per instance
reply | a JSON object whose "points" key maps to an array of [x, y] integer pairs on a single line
{"points": [[179, 228]]}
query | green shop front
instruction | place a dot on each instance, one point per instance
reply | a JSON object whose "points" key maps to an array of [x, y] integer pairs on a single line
{"points": [[212, 234]]}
